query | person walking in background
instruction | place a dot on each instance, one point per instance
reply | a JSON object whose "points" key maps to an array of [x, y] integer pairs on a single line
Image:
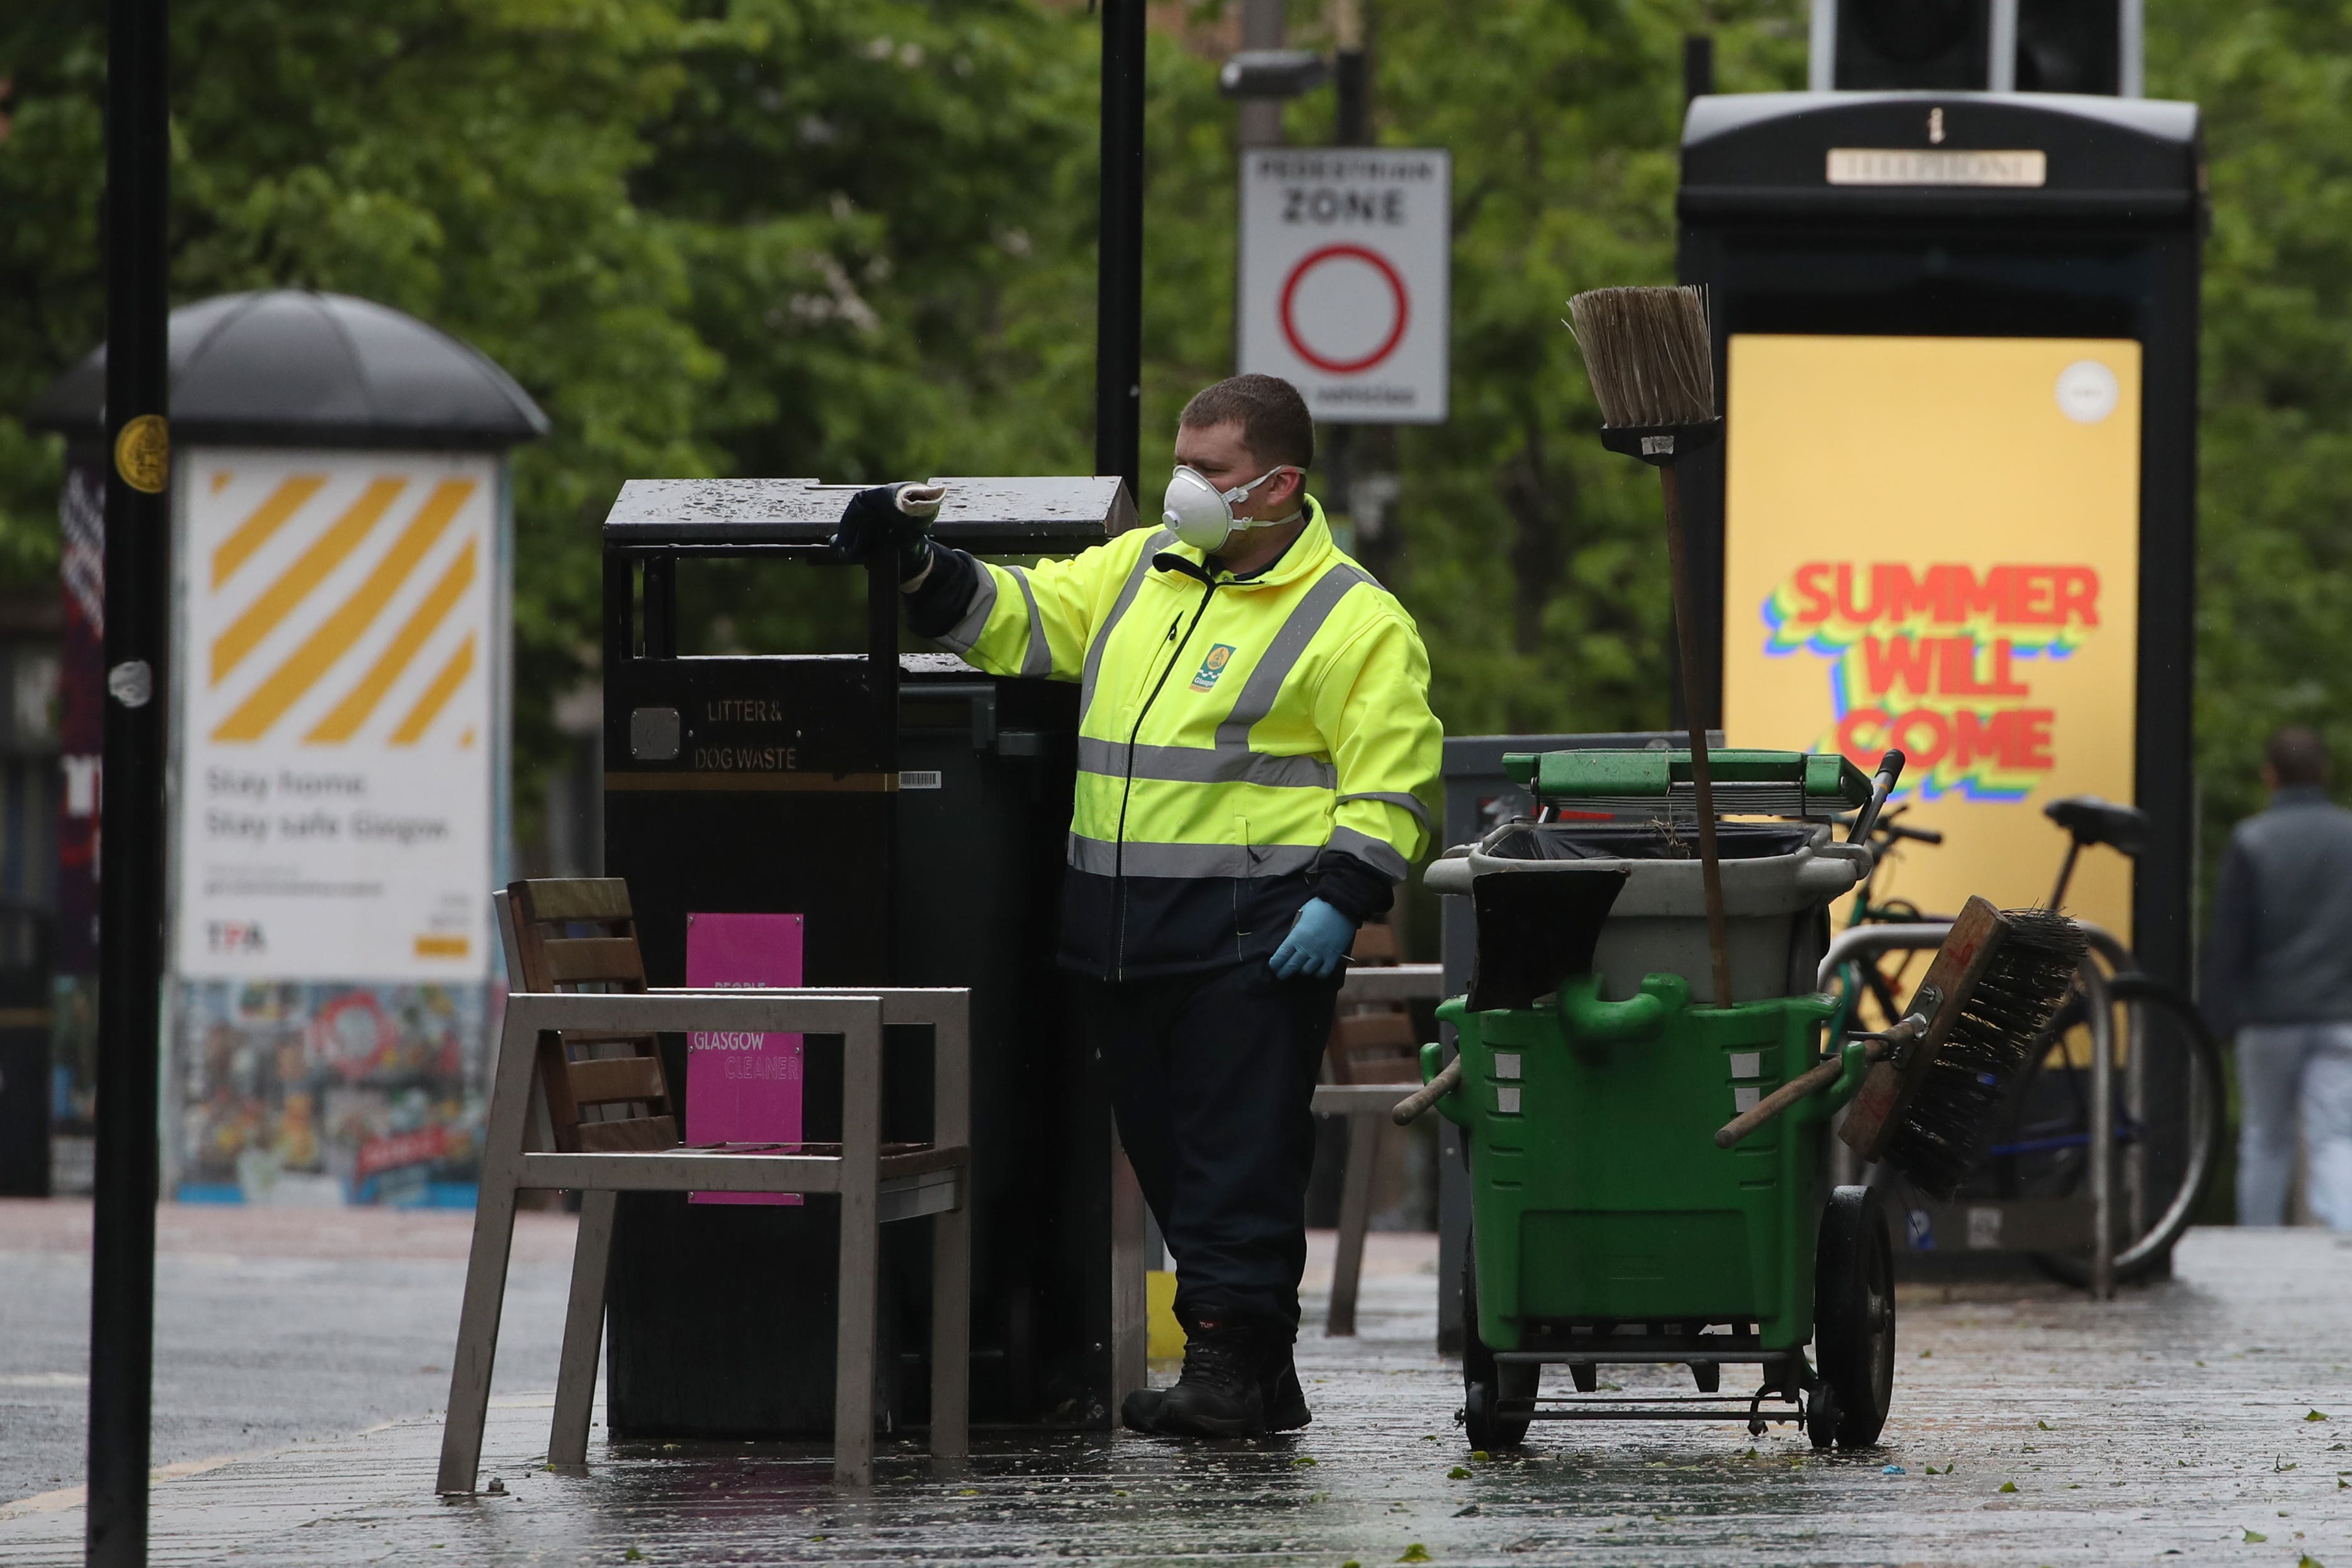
{"points": [[2278, 973]]}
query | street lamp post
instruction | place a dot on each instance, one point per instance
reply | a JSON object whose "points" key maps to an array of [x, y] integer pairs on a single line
{"points": [[130, 888], [1118, 301]]}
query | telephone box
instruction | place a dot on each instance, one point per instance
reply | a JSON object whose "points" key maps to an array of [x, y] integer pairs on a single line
{"points": [[1954, 512]]}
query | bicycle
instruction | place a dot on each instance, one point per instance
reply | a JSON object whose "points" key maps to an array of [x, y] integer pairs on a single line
{"points": [[2054, 1117]]}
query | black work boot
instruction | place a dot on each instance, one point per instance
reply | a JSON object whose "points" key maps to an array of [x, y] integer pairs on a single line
{"points": [[1285, 1402], [1219, 1395], [1139, 1411]]}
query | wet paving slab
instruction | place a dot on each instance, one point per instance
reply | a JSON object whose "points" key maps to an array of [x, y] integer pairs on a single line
{"points": [[272, 1325], [2204, 1419]]}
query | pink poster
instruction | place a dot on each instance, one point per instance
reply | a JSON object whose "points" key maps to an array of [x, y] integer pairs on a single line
{"points": [[742, 1088]]}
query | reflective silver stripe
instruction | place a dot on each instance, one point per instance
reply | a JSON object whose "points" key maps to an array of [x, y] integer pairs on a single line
{"points": [[1282, 654], [1403, 801], [966, 632], [1038, 659], [1380, 855], [1104, 858], [1199, 765], [1151, 547]]}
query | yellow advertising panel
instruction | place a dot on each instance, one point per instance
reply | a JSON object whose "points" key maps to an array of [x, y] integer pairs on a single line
{"points": [[1933, 543]]}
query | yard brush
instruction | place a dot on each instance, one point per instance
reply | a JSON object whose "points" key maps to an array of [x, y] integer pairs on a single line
{"points": [[1975, 1024], [1652, 366], [2005, 976]]}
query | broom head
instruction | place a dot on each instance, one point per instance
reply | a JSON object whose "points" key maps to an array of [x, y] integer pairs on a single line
{"points": [[1996, 984], [1647, 351]]}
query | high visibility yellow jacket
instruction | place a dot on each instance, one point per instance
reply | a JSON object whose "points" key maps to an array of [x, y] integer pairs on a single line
{"points": [[1243, 743]]}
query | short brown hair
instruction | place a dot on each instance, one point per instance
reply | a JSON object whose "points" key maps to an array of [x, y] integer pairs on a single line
{"points": [[2297, 756], [1274, 420]]}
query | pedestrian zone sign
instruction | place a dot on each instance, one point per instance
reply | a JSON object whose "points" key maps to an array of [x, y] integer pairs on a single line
{"points": [[1346, 279]]}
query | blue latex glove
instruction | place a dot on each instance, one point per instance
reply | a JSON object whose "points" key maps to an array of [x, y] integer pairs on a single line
{"points": [[1318, 943]]}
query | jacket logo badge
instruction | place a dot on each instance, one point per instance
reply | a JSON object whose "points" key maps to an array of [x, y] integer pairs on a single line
{"points": [[1211, 667]]}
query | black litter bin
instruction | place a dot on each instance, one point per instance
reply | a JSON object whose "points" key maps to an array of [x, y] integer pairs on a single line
{"points": [[914, 812]]}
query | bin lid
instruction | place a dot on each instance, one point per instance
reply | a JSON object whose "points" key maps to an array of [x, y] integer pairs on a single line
{"points": [[1037, 515], [295, 367], [1781, 156], [1747, 783]]}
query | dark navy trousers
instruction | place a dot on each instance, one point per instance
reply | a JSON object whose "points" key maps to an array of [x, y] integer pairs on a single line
{"points": [[1211, 1077]]}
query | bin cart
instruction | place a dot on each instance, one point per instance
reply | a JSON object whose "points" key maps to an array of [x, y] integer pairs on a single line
{"points": [[1480, 797], [1608, 1227]]}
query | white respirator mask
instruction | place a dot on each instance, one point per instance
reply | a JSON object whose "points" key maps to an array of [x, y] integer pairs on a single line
{"points": [[1201, 515]]}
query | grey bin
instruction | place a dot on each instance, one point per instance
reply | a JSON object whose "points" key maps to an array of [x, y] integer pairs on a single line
{"points": [[1777, 880]]}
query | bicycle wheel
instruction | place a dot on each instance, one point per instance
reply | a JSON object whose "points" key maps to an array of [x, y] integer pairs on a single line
{"points": [[1862, 981], [2043, 1151]]}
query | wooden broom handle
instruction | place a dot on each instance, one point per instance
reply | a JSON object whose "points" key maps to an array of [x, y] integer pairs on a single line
{"points": [[1413, 1106], [1820, 1075], [1778, 1101], [1719, 933]]}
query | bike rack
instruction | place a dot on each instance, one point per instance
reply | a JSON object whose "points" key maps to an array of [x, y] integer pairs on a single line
{"points": [[2110, 956]]}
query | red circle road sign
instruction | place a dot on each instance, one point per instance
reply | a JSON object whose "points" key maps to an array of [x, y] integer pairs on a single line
{"points": [[1371, 258]]}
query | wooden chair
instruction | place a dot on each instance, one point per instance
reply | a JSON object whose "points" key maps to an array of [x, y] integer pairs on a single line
{"points": [[1372, 1043], [577, 935], [592, 1051]]}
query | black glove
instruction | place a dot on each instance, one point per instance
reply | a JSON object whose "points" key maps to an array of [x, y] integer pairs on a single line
{"points": [[892, 519]]}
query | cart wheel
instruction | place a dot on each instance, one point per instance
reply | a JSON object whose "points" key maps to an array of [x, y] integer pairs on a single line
{"points": [[1821, 1415], [1853, 1320], [1485, 1382]]}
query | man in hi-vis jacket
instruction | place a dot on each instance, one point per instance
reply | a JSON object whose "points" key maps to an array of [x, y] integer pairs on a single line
{"points": [[1253, 734]]}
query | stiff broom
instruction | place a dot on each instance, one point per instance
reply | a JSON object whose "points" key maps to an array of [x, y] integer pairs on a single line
{"points": [[1653, 369], [1975, 1023]]}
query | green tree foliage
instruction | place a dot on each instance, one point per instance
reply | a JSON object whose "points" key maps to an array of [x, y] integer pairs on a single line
{"points": [[847, 238], [1533, 558], [2275, 503], [853, 238], [463, 160]]}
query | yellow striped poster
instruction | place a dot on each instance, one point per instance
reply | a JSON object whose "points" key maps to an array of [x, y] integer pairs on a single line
{"points": [[333, 712]]}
